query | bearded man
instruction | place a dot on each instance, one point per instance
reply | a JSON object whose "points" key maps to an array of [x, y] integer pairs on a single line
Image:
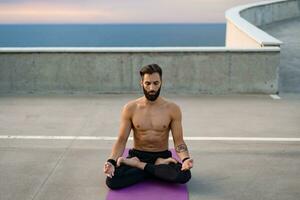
{"points": [[151, 118]]}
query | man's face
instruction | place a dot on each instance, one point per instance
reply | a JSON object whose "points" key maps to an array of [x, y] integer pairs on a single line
{"points": [[151, 84]]}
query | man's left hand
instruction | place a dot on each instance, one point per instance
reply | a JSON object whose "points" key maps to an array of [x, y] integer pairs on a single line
{"points": [[187, 164]]}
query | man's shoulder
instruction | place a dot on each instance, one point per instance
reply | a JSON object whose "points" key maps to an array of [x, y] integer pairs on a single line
{"points": [[173, 109], [131, 105], [172, 105]]}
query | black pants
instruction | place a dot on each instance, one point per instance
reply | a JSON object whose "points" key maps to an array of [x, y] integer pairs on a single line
{"points": [[126, 175]]}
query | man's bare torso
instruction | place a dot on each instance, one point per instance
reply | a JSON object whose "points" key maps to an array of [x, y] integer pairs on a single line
{"points": [[151, 124]]}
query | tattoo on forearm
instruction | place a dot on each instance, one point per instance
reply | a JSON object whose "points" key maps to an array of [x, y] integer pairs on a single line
{"points": [[181, 148]]}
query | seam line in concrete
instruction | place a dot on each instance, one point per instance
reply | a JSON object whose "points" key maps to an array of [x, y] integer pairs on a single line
{"points": [[73, 138], [50, 174], [105, 138]]}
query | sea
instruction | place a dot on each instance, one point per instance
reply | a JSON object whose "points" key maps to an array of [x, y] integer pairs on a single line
{"points": [[112, 35]]}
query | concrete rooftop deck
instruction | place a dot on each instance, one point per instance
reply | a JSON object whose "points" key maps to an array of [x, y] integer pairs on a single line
{"points": [[44, 169]]}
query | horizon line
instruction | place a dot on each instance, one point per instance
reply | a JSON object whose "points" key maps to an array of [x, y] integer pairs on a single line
{"points": [[133, 23]]}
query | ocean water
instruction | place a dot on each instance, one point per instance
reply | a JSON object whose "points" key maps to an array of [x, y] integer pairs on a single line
{"points": [[112, 35]]}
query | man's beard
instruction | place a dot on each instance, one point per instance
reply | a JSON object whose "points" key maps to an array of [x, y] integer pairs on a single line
{"points": [[151, 97]]}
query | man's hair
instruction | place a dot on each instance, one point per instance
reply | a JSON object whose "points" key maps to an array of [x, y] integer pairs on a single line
{"points": [[150, 69]]}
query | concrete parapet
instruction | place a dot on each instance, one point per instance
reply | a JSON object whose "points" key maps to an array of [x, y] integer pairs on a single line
{"points": [[115, 70], [242, 22]]}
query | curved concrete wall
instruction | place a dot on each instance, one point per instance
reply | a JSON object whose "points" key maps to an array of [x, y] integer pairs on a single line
{"points": [[116, 70], [242, 22]]}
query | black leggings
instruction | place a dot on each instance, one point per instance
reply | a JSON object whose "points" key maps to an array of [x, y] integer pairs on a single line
{"points": [[126, 175]]}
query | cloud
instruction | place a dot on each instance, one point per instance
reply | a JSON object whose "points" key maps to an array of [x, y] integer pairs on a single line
{"points": [[115, 11], [38, 13]]}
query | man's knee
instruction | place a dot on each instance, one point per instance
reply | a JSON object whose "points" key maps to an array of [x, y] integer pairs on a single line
{"points": [[184, 176], [113, 183]]}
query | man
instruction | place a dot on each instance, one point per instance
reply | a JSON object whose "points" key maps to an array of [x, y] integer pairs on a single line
{"points": [[151, 117]]}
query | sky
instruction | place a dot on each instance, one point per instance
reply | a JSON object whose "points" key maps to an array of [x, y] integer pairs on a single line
{"points": [[115, 11]]}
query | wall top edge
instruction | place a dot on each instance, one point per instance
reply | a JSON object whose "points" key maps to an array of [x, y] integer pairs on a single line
{"points": [[263, 38], [256, 4], [130, 49]]}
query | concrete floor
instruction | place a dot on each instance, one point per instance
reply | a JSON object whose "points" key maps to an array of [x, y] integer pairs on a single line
{"points": [[288, 32], [50, 169]]}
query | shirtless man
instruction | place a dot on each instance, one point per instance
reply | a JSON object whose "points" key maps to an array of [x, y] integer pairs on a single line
{"points": [[151, 117]]}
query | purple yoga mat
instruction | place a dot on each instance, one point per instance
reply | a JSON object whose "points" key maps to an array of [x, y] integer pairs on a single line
{"points": [[151, 189]]}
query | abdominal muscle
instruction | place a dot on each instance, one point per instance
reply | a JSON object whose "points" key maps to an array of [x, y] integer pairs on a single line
{"points": [[152, 141]]}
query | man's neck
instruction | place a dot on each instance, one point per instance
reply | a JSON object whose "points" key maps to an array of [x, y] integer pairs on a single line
{"points": [[148, 102]]}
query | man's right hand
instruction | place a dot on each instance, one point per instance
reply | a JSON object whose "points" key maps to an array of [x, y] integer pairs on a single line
{"points": [[109, 169]]}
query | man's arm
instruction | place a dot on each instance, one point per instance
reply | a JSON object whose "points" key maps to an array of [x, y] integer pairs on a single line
{"points": [[177, 132], [125, 128]]}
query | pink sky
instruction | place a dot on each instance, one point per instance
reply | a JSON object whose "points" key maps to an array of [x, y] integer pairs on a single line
{"points": [[116, 11]]}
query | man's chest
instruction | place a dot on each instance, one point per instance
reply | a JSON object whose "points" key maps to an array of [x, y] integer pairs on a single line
{"points": [[151, 119]]}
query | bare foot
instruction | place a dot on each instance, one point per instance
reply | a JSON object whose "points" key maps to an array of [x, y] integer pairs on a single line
{"points": [[133, 162], [160, 161]]}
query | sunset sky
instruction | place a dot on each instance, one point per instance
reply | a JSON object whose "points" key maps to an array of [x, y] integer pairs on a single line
{"points": [[115, 11]]}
